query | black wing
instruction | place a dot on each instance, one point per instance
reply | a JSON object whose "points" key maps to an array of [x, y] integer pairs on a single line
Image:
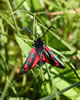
{"points": [[52, 59], [31, 61]]}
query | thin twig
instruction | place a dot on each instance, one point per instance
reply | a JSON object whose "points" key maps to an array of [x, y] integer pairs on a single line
{"points": [[61, 12]]}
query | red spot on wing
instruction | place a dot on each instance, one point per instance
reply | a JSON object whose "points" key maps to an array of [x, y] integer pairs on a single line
{"points": [[45, 59], [33, 51], [56, 63], [37, 59], [29, 59], [52, 55], [47, 48], [26, 68]]}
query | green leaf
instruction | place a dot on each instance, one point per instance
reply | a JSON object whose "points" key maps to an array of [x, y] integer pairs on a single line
{"points": [[25, 48], [74, 94]]}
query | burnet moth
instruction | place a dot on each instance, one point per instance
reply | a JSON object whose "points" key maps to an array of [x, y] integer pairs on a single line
{"points": [[40, 54]]}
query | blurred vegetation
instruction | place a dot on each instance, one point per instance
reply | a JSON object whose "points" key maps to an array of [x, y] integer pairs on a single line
{"points": [[47, 82]]}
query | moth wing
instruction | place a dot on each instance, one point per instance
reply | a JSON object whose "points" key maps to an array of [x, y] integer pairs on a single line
{"points": [[31, 61], [52, 59]]}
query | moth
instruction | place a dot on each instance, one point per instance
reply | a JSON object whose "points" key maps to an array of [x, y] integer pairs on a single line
{"points": [[40, 54]]}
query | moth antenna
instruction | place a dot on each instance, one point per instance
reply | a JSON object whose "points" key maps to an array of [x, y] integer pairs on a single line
{"points": [[48, 30], [25, 28]]}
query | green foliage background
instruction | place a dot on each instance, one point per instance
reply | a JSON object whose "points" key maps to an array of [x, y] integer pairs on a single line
{"points": [[47, 82]]}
